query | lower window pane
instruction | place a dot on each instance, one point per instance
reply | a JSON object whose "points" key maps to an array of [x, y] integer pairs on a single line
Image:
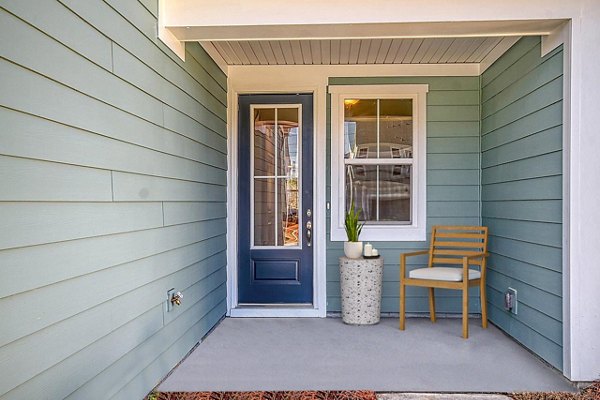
{"points": [[361, 189], [264, 212], [394, 193], [288, 229], [380, 192]]}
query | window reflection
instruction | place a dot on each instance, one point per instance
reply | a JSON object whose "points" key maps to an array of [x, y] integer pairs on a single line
{"points": [[378, 128], [379, 131], [276, 176]]}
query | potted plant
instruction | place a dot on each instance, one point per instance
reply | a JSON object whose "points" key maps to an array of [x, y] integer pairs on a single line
{"points": [[352, 247], [361, 279]]}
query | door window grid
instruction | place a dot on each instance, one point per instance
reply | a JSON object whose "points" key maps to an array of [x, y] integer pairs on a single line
{"points": [[290, 236]]}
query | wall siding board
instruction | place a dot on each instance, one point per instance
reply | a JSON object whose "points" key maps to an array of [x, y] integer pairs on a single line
{"points": [[544, 96], [152, 52], [539, 120], [522, 193], [130, 68], [453, 193], [544, 142], [123, 370], [112, 192], [453, 128], [31, 180], [88, 42], [76, 147], [150, 5], [61, 64], [539, 210], [45, 306], [29, 268], [133, 187], [137, 386], [28, 224], [545, 165], [186, 212]]}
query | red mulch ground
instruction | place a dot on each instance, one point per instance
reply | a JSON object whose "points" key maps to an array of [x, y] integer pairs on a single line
{"points": [[295, 395], [590, 393]]}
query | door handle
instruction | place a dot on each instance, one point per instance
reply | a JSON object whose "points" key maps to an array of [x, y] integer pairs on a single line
{"points": [[308, 237]]}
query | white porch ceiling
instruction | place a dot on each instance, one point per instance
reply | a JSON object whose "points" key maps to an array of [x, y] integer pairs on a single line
{"points": [[457, 50]]}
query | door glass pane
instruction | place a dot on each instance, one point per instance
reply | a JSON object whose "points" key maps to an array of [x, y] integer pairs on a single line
{"points": [[360, 128], [276, 176], [394, 193], [361, 188], [264, 142], [395, 128], [287, 141], [289, 202], [264, 211]]}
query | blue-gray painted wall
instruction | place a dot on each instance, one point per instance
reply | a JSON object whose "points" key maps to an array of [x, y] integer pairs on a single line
{"points": [[521, 143], [453, 183], [112, 191]]}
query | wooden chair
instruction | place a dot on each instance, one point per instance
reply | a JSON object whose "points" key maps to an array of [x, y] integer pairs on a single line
{"points": [[454, 245]]}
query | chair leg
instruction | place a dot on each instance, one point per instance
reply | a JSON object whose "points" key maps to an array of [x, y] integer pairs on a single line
{"points": [[402, 305], [465, 310], [431, 305], [484, 321]]}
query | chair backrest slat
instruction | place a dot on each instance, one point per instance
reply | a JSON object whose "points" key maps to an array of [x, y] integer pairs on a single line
{"points": [[449, 244], [461, 235], [470, 245]]}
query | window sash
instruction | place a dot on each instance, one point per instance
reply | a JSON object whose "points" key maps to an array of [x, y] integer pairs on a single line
{"points": [[400, 231]]}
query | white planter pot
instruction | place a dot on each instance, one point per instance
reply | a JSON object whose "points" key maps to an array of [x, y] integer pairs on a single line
{"points": [[353, 249]]}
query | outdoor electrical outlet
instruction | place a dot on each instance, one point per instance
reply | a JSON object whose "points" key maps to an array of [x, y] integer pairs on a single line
{"points": [[510, 300], [170, 294]]}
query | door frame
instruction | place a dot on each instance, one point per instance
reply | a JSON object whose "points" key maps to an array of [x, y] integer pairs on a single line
{"points": [[268, 85]]}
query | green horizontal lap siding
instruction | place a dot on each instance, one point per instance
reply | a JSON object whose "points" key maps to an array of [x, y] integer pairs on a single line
{"points": [[453, 194], [113, 162], [521, 193]]}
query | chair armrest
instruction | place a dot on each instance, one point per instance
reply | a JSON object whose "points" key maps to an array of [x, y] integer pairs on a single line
{"points": [[466, 260], [403, 260], [478, 255], [414, 253]]}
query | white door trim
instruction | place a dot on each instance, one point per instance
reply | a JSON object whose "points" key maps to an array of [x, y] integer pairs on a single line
{"points": [[266, 86]]}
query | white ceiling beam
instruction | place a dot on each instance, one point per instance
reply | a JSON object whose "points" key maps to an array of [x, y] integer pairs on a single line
{"points": [[215, 13], [364, 30]]}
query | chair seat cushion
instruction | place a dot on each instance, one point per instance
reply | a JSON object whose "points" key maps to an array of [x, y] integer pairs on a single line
{"points": [[442, 274]]}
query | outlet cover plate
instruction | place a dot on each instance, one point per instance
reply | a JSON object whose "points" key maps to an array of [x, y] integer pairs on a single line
{"points": [[515, 301], [169, 305]]}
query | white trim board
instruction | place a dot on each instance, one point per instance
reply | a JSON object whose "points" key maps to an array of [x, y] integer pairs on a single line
{"points": [[215, 55], [264, 83]]}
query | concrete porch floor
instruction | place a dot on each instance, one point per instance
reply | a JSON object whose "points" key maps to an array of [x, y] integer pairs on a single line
{"points": [[325, 354]]}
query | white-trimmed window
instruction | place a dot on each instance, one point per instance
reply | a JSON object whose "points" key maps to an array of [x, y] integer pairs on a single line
{"points": [[378, 137]]}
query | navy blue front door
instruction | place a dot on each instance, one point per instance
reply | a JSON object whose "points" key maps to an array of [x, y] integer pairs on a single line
{"points": [[275, 181]]}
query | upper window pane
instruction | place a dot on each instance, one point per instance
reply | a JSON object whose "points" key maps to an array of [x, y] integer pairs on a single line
{"points": [[360, 128], [264, 142], [395, 128], [380, 128], [287, 142]]}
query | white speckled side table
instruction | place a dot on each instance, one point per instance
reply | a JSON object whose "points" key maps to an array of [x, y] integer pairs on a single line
{"points": [[361, 281]]}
